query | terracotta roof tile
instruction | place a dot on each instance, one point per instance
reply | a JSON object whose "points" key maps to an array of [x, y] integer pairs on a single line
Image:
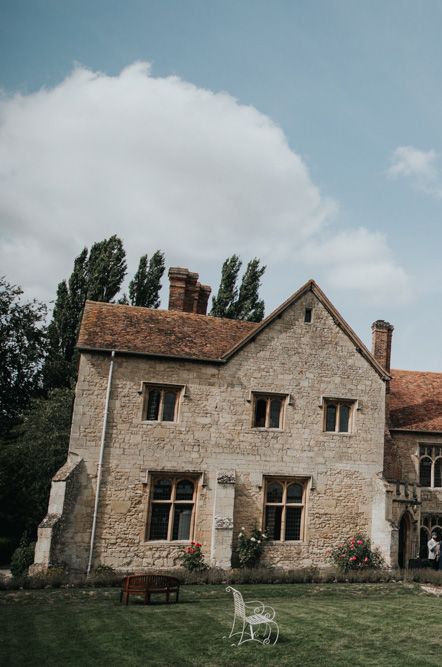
{"points": [[416, 401], [108, 326]]}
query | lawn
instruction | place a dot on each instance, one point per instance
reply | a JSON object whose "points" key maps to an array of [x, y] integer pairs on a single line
{"points": [[327, 625]]}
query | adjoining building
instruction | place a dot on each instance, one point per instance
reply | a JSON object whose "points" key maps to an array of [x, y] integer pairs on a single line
{"points": [[190, 427]]}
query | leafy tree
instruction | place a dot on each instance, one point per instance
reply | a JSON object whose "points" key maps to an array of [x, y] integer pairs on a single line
{"points": [[96, 275], [249, 306], [22, 346], [144, 289], [243, 303], [29, 457], [223, 305], [106, 269]]}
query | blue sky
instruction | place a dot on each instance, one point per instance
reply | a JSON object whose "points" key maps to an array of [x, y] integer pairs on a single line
{"points": [[323, 157]]}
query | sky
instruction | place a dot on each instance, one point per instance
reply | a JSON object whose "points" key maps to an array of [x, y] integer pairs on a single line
{"points": [[304, 133]]}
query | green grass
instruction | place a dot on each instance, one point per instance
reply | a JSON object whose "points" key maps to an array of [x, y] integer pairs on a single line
{"points": [[326, 625]]}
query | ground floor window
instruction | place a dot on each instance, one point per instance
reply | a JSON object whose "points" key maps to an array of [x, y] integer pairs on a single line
{"points": [[284, 509], [172, 508]]}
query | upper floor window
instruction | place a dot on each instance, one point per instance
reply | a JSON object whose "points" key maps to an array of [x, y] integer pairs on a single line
{"points": [[161, 403], [284, 509], [172, 508], [430, 465], [338, 415], [268, 410]]}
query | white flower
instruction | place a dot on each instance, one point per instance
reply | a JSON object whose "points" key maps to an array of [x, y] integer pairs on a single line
{"points": [[242, 528], [259, 541], [240, 535], [264, 536], [252, 539]]}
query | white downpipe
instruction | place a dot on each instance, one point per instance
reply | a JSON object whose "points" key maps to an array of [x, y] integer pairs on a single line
{"points": [[100, 461]]}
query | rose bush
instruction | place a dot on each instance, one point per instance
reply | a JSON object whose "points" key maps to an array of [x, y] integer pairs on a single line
{"points": [[193, 558], [250, 548], [356, 554]]}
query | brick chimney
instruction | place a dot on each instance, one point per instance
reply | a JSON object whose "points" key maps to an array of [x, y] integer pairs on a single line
{"points": [[203, 299], [186, 294], [382, 333]]}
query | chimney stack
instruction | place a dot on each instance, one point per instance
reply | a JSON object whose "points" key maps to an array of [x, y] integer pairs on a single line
{"points": [[382, 333], [186, 294]]}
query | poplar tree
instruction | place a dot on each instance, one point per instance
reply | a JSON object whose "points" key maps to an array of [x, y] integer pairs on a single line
{"points": [[241, 303], [96, 275], [223, 304], [144, 289], [248, 305], [106, 269]]}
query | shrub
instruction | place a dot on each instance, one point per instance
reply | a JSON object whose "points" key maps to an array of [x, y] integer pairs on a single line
{"points": [[104, 575], [22, 557], [192, 558], [250, 549], [356, 554]]}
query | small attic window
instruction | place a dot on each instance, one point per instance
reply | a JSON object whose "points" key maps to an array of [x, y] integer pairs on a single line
{"points": [[308, 313]]}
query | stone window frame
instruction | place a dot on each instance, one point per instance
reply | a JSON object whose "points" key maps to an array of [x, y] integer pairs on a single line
{"points": [[286, 481], [351, 403], [433, 453], [269, 396], [179, 391], [175, 478]]}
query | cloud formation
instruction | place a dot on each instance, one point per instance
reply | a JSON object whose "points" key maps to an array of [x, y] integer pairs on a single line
{"points": [[419, 167], [361, 261], [166, 165]]}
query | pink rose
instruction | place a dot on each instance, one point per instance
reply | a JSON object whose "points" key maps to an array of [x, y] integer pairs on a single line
{"points": [[359, 542]]}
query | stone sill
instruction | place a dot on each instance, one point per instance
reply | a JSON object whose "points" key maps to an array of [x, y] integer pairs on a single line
{"points": [[159, 423], [263, 429], [287, 543], [165, 543]]}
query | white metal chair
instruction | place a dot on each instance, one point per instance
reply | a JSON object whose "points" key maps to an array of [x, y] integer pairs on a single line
{"points": [[256, 618]]}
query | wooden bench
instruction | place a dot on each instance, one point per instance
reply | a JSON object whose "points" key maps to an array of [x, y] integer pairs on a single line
{"points": [[146, 584]]}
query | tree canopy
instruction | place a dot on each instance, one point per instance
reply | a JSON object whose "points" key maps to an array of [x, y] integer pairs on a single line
{"points": [[22, 346], [96, 275], [241, 303], [144, 289]]}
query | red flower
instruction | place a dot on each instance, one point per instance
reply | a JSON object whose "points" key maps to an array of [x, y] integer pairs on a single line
{"points": [[359, 542]]}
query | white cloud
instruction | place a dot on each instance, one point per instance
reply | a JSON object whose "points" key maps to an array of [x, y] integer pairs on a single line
{"points": [[361, 261], [419, 167], [163, 164]]}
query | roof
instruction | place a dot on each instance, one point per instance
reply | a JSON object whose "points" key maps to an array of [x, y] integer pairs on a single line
{"points": [[416, 401], [107, 326], [170, 333]]}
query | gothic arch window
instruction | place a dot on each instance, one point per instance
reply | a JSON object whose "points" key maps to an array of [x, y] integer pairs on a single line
{"points": [[284, 509], [172, 508], [430, 466]]}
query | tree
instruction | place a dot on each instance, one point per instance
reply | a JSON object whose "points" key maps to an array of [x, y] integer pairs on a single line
{"points": [[29, 457], [22, 347], [223, 305], [144, 289], [96, 275], [249, 306], [243, 303], [106, 269]]}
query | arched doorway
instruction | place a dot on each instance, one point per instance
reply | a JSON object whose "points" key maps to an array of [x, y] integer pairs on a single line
{"points": [[404, 540]]}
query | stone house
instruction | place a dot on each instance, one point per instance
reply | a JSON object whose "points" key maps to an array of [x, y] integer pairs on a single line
{"points": [[189, 427]]}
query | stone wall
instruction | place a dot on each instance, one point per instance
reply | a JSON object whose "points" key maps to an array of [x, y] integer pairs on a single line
{"points": [[214, 433], [430, 509]]}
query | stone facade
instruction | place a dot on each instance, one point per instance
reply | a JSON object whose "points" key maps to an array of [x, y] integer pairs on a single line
{"points": [[214, 442]]}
